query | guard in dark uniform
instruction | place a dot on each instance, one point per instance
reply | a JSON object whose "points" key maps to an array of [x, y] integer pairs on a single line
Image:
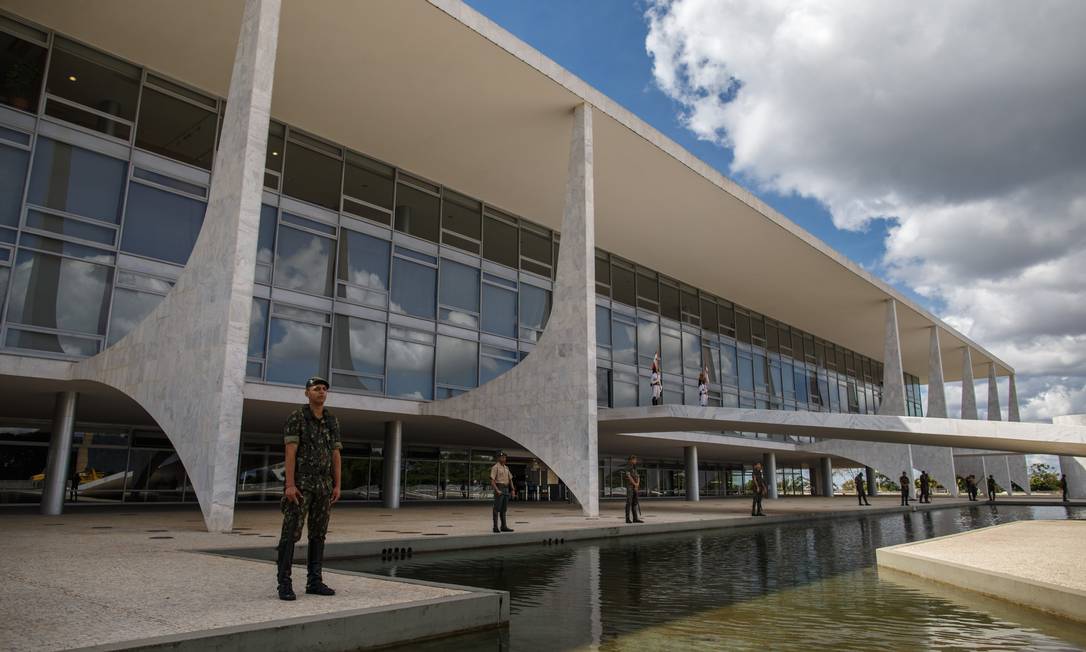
{"points": [[760, 490], [633, 485], [861, 494], [1063, 486], [501, 480], [313, 466], [904, 482], [991, 488], [73, 481], [925, 487]]}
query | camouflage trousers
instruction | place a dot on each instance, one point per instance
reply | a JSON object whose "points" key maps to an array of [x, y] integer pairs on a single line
{"points": [[315, 503]]}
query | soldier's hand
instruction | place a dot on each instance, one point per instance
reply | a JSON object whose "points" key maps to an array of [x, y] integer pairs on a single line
{"points": [[335, 495], [292, 494]]}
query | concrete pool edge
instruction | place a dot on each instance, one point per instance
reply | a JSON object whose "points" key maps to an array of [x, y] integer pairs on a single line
{"points": [[1048, 597]]}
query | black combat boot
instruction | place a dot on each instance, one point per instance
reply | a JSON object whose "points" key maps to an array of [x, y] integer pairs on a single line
{"points": [[505, 528], [283, 562], [314, 560], [637, 514]]}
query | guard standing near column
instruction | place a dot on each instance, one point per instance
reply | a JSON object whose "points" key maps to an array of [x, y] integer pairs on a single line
{"points": [[656, 382], [1063, 486], [313, 466], [73, 491], [991, 488], [861, 495], [925, 487], [633, 485], [501, 480], [760, 490], [904, 482]]}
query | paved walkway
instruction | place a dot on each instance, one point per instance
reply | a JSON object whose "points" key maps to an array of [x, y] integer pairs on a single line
{"points": [[97, 575]]}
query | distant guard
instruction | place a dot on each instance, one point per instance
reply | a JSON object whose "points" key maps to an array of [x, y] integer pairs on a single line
{"points": [[861, 495], [501, 480]]}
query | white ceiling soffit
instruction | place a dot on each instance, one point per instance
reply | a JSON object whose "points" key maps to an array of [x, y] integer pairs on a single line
{"points": [[436, 88]]}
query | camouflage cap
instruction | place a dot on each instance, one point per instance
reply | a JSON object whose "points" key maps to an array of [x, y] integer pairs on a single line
{"points": [[316, 380]]}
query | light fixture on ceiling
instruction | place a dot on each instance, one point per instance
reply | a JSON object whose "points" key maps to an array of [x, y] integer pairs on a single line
{"points": [[72, 78]]}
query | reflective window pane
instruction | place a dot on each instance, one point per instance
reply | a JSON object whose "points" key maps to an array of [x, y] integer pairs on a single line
{"points": [[51, 343], [12, 181], [603, 387], [265, 243], [463, 217], [603, 326], [457, 361], [624, 341], [94, 80], [161, 224], [70, 227], [669, 301], [176, 129], [414, 288], [500, 242], [312, 176], [417, 213], [692, 361], [304, 262], [368, 180], [491, 367], [296, 351], [648, 341], [65, 294], [499, 310], [258, 328], [622, 285], [410, 370], [671, 352], [359, 345], [535, 307], [129, 309], [535, 246], [363, 260], [22, 68], [77, 181], [460, 289]]}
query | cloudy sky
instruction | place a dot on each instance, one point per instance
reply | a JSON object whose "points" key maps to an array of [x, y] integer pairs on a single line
{"points": [[940, 145]]}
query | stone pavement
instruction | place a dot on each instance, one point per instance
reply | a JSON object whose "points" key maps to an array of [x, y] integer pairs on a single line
{"points": [[98, 575]]}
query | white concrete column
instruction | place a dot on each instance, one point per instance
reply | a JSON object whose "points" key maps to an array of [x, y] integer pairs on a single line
{"points": [[547, 403], [938, 461], [893, 375], [769, 467], [1010, 478], [872, 481], [1012, 400], [57, 469], [994, 413], [825, 476], [1073, 467], [693, 489], [185, 362], [936, 388], [1019, 471], [393, 463], [969, 394]]}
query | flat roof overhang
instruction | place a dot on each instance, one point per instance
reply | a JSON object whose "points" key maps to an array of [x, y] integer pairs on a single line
{"points": [[438, 89]]}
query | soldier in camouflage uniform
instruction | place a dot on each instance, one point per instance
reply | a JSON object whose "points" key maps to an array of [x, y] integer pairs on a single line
{"points": [[312, 442]]}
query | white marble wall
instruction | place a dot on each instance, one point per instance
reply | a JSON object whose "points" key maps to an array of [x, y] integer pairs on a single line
{"points": [[1073, 467], [547, 403], [185, 362], [888, 459], [1019, 470], [938, 461]]}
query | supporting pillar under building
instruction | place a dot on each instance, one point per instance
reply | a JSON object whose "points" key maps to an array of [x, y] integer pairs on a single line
{"points": [[936, 386], [994, 412], [690, 454], [825, 476], [893, 375], [969, 394], [769, 468], [60, 453], [872, 481], [1073, 467], [393, 462], [1012, 400]]}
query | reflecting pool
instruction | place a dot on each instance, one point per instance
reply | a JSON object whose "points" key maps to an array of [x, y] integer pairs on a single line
{"points": [[789, 586]]}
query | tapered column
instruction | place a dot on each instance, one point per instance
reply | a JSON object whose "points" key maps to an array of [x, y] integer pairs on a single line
{"points": [[693, 491], [1012, 401], [769, 467], [1010, 479], [60, 453], [825, 476], [936, 388], [872, 481], [393, 452], [893, 376], [969, 394], [994, 413]]}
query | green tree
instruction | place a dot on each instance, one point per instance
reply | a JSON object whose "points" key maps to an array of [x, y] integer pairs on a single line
{"points": [[1042, 477]]}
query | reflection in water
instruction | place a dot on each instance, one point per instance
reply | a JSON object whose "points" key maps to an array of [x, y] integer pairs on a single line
{"points": [[789, 586]]}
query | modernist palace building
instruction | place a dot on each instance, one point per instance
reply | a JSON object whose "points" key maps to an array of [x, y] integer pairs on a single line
{"points": [[203, 203]]}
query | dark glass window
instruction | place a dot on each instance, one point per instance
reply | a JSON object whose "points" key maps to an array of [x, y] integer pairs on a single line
{"points": [[771, 338], [624, 338], [536, 248], [312, 176], [359, 346], [161, 224], [417, 213], [603, 326], [760, 380], [624, 388], [410, 364], [273, 159], [12, 181], [175, 128], [499, 310], [709, 317], [96, 81], [368, 180], [51, 342], [669, 301], [622, 285], [459, 289], [727, 319], [648, 341], [71, 227], [671, 351], [457, 362], [746, 373], [742, 327], [603, 387], [77, 181], [535, 307], [129, 309], [22, 67], [799, 375], [462, 222], [60, 293], [603, 276], [304, 262], [648, 292], [500, 242], [363, 264], [691, 309], [296, 351], [414, 288], [265, 243], [258, 328]]}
